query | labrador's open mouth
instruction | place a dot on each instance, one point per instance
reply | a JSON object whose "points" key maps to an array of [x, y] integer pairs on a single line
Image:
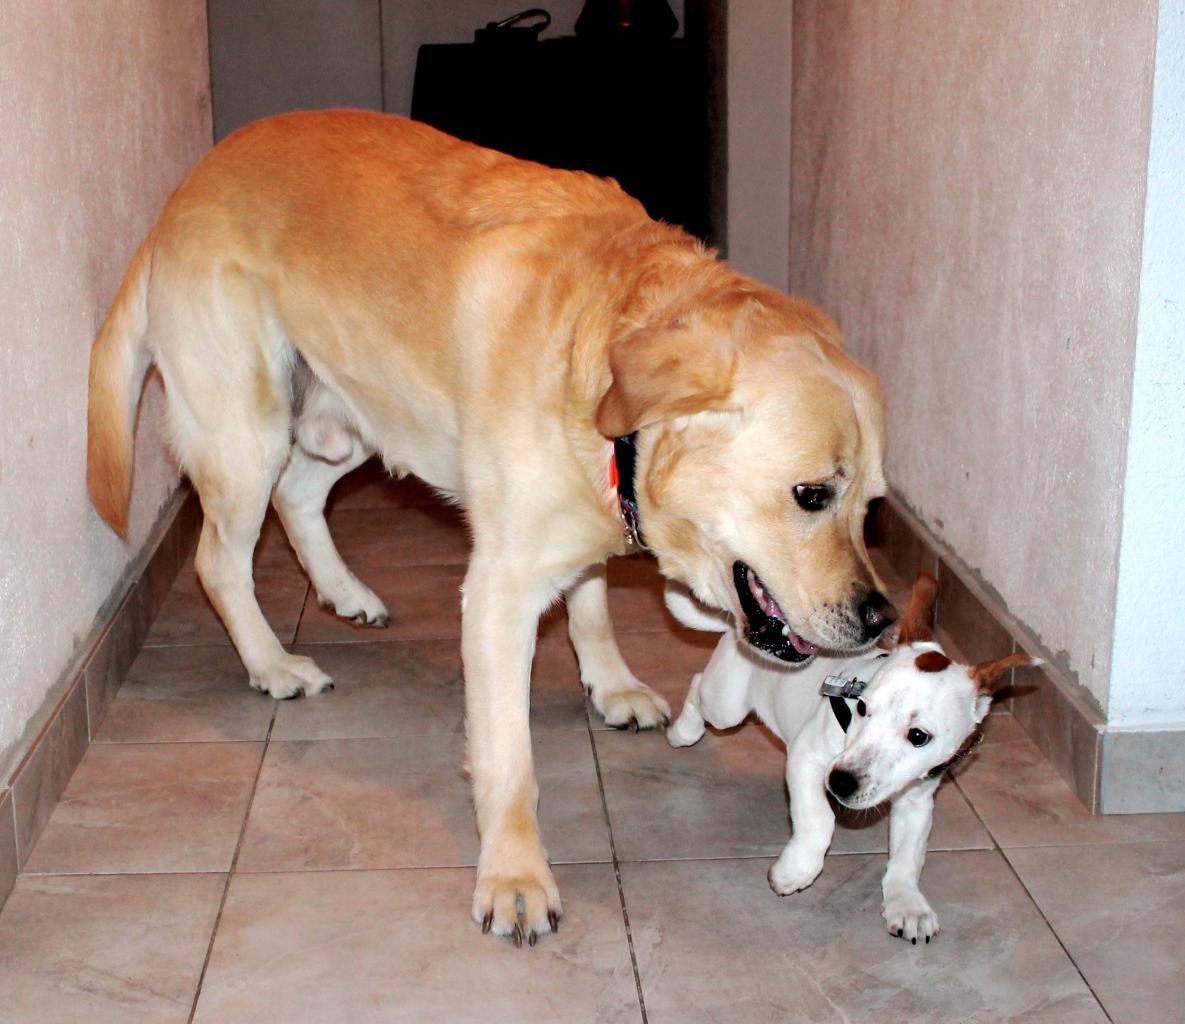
{"points": [[766, 627]]}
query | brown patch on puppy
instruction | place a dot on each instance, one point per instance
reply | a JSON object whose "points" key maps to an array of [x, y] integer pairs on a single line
{"points": [[931, 661]]}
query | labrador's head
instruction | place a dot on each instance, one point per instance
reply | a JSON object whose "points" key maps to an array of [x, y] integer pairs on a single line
{"points": [[760, 446]]}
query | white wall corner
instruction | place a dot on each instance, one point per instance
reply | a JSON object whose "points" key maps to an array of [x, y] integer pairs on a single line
{"points": [[1148, 659]]}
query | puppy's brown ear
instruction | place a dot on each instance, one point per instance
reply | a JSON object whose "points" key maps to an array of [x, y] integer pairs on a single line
{"points": [[917, 624], [987, 674], [660, 372]]}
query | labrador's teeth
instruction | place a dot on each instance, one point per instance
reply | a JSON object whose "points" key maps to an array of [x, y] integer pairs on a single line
{"points": [[785, 631]]}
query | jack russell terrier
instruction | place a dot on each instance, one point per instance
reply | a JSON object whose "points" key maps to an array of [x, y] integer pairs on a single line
{"points": [[881, 726]]}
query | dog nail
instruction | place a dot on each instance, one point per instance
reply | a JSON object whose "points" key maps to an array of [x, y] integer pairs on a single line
{"points": [[487, 922], [927, 940], [330, 686], [900, 933], [914, 940], [553, 919], [532, 939], [518, 937], [633, 725]]}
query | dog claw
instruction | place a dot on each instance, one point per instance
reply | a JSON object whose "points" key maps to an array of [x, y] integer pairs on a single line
{"points": [[532, 939], [517, 935], [914, 940], [487, 922], [633, 725], [553, 919]]}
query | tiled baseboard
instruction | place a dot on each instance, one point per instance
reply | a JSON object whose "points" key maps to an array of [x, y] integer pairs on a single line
{"points": [[80, 700], [1113, 772]]}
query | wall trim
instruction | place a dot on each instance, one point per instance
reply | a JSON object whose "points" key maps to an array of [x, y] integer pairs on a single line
{"points": [[1113, 771], [73, 709]]}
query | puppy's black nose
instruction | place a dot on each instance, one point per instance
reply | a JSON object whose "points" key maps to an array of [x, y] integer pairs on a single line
{"points": [[842, 784], [876, 614]]}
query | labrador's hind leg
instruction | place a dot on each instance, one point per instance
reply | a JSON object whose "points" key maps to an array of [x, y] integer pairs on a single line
{"points": [[300, 501], [230, 415]]}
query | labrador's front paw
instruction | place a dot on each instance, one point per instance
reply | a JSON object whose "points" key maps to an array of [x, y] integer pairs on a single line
{"points": [[291, 675], [632, 707], [520, 901], [908, 915]]}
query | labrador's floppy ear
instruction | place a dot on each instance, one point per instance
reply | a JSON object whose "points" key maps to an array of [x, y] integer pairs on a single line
{"points": [[666, 371], [917, 624]]}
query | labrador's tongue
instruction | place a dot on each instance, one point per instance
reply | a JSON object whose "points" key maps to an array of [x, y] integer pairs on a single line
{"points": [[802, 646]]}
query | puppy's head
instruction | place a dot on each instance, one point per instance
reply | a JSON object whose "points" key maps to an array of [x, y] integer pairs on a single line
{"points": [[916, 714], [760, 446]]}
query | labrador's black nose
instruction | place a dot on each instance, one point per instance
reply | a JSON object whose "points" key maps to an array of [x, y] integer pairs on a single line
{"points": [[876, 614], [842, 784]]}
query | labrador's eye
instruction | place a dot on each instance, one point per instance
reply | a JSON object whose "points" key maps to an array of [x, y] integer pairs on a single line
{"points": [[812, 497], [861, 708], [918, 737]]}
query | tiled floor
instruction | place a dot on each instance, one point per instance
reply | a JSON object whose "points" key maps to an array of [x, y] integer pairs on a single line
{"points": [[219, 857]]}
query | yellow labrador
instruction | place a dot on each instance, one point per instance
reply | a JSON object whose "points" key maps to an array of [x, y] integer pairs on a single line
{"points": [[324, 286]]}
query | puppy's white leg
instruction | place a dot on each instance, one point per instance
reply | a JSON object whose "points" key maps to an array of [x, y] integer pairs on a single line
{"points": [[300, 501], [812, 822], [719, 695], [907, 913], [689, 726], [501, 610], [620, 698], [724, 696]]}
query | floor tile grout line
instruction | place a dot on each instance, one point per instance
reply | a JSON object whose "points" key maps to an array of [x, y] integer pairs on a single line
{"points": [[1056, 938], [625, 914], [197, 992], [997, 848], [304, 603]]}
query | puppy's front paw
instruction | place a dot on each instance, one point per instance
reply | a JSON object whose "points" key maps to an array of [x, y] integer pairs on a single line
{"points": [[909, 916], [522, 904], [794, 870]]}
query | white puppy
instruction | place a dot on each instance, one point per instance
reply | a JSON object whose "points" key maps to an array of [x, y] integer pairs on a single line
{"points": [[881, 726]]}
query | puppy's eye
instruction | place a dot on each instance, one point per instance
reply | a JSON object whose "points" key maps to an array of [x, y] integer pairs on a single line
{"points": [[812, 497], [918, 737], [861, 708]]}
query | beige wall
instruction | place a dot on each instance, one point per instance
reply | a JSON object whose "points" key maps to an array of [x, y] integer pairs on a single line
{"points": [[103, 107], [967, 197], [759, 115]]}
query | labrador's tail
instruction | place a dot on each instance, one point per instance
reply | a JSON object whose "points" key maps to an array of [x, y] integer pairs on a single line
{"points": [[119, 361]]}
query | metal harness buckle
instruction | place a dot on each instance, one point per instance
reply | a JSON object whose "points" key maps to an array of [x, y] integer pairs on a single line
{"points": [[842, 686]]}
